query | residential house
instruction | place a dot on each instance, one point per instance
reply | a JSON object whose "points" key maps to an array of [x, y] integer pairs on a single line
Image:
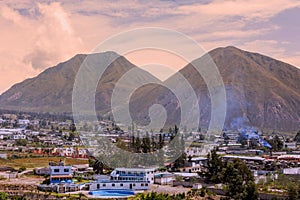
{"points": [[126, 178], [60, 173], [164, 178], [42, 171]]}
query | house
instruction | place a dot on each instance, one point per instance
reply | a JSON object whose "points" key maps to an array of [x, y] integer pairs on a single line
{"points": [[23, 121], [42, 171], [17, 137], [81, 168], [60, 173], [292, 171], [199, 160], [3, 155], [245, 158], [290, 145], [164, 178], [126, 178]]}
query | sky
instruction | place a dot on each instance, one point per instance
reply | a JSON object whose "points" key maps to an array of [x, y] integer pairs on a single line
{"points": [[36, 35]]}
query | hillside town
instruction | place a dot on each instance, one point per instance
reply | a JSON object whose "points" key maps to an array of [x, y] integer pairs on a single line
{"points": [[66, 167]]}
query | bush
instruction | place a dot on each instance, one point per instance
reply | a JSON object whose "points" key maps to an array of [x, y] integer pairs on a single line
{"points": [[21, 169], [202, 192]]}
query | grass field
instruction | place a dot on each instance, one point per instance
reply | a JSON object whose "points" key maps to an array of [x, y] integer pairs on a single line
{"points": [[39, 162]]}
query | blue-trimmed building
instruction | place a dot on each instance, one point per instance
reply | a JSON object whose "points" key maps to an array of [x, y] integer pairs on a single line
{"points": [[126, 178], [60, 173]]}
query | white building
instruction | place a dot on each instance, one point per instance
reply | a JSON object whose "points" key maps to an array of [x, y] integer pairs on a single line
{"points": [[126, 178], [292, 171], [59, 173], [23, 121], [17, 137], [164, 178]]}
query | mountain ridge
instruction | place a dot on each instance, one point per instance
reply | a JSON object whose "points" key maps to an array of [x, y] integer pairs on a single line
{"points": [[262, 90]]}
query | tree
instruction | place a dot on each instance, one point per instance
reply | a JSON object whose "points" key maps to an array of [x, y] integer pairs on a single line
{"points": [[146, 144], [161, 141], [239, 181], [180, 161], [21, 142], [250, 192], [214, 167], [72, 127], [21, 169], [137, 143], [292, 192], [98, 166], [71, 136], [3, 196], [276, 143]]}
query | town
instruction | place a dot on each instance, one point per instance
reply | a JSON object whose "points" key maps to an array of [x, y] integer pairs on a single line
{"points": [[45, 156]]}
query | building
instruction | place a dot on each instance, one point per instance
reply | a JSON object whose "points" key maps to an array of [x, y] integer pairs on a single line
{"points": [[60, 173], [292, 171], [42, 171], [126, 178], [23, 121], [17, 137], [164, 178], [246, 158], [290, 145]]}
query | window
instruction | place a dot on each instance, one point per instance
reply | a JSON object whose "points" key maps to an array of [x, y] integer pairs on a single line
{"points": [[146, 184], [121, 184], [56, 170], [66, 170], [113, 185], [134, 185], [98, 186], [142, 184], [104, 185]]}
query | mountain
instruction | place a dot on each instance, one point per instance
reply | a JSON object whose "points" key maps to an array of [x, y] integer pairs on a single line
{"points": [[51, 91], [261, 91]]}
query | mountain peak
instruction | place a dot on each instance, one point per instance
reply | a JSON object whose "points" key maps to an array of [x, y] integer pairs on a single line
{"points": [[263, 91]]}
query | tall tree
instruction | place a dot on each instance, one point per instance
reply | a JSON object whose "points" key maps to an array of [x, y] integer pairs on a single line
{"points": [[146, 144], [138, 143], [98, 166], [214, 167], [239, 181]]}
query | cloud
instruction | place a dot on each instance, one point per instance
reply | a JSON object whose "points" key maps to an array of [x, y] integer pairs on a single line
{"points": [[30, 44], [274, 49], [39, 35], [54, 38]]}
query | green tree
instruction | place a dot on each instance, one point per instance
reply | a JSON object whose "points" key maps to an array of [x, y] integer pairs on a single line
{"points": [[138, 143], [239, 181], [98, 166], [146, 144], [276, 143], [180, 161], [3, 196], [214, 167], [161, 141], [292, 193], [21, 169], [21, 142], [71, 136]]}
